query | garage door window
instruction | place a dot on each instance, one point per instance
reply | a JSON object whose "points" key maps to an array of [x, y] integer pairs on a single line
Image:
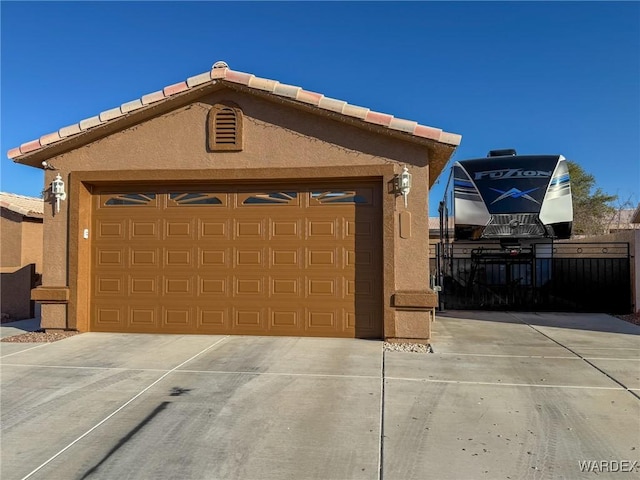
{"points": [[274, 198], [339, 197], [195, 199], [136, 199]]}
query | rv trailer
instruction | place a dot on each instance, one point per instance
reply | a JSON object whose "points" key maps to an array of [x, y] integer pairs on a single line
{"points": [[509, 197]]}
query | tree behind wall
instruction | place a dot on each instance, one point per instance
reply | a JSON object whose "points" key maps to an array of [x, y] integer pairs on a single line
{"points": [[592, 210]]}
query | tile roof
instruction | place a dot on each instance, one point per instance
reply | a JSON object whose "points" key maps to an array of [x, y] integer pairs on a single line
{"points": [[220, 72], [27, 206]]}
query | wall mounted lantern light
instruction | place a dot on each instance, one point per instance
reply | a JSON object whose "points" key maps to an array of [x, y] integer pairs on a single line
{"points": [[57, 189], [404, 183]]}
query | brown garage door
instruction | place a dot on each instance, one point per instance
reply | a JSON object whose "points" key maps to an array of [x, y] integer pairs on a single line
{"points": [[259, 260]]}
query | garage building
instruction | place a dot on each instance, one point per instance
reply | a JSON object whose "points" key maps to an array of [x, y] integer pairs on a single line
{"points": [[233, 204]]}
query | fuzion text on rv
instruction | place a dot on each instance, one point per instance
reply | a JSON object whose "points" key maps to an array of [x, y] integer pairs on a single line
{"points": [[511, 173]]}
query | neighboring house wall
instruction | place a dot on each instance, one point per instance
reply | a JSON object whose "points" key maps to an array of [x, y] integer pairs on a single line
{"points": [[32, 242], [21, 242], [10, 240]]}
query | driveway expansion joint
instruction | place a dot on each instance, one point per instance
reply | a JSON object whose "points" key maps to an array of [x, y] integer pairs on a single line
{"points": [[630, 390], [509, 356], [502, 384], [119, 409], [25, 350]]}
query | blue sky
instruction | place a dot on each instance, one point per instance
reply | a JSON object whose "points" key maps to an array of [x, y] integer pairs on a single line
{"points": [[543, 78]]}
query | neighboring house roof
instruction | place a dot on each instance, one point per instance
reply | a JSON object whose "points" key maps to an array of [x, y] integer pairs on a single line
{"points": [[220, 73], [26, 206], [626, 219]]}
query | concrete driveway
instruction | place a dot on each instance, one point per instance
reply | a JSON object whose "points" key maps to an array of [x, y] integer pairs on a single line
{"points": [[503, 396]]}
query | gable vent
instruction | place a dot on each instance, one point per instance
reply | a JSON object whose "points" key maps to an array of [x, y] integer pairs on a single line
{"points": [[225, 127]]}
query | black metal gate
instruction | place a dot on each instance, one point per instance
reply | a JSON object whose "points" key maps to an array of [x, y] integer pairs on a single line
{"points": [[560, 276]]}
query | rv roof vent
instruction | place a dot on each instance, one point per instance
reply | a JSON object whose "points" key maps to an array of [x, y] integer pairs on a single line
{"points": [[502, 153]]}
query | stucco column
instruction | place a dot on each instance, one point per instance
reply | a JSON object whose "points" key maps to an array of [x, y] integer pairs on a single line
{"points": [[53, 294], [413, 300]]}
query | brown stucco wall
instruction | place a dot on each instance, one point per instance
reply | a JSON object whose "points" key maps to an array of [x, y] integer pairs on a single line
{"points": [[279, 142], [10, 240], [32, 242]]}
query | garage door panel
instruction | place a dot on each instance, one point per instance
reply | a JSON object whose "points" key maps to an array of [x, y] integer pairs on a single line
{"points": [[141, 285], [249, 258], [177, 318], [284, 256], [213, 257], [110, 257], [250, 229], [254, 261], [109, 316], [109, 285], [322, 258], [110, 230], [248, 286], [212, 318], [322, 320], [175, 229], [361, 288], [322, 287], [143, 229], [365, 324], [360, 228], [178, 257], [361, 257], [143, 316], [176, 285], [214, 230], [285, 229], [212, 285], [142, 257], [284, 320], [250, 317], [287, 287], [322, 228]]}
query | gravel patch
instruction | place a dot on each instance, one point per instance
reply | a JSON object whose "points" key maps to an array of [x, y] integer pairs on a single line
{"points": [[407, 347], [40, 336], [631, 318]]}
